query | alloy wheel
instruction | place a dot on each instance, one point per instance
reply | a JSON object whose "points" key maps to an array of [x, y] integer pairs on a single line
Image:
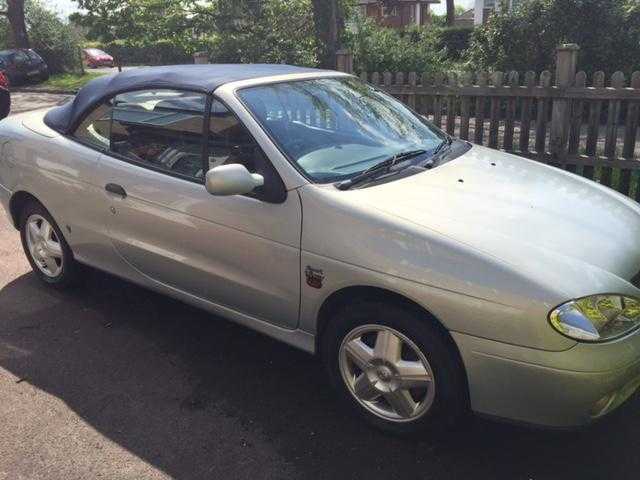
{"points": [[44, 245], [387, 373]]}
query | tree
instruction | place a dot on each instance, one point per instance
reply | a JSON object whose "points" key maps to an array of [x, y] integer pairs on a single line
{"points": [[451, 12], [136, 20], [270, 31], [329, 24], [415, 49], [14, 12]]}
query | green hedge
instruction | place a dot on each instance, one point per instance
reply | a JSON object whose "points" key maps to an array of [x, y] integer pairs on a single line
{"points": [[162, 52], [607, 31], [414, 49]]}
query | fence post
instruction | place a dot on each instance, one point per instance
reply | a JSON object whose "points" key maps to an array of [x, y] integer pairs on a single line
{"points": [[201, 57], [566, 64], [344, 61]]}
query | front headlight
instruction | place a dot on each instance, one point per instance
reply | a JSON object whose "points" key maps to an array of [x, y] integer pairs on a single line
{"points": [[597, 318]]}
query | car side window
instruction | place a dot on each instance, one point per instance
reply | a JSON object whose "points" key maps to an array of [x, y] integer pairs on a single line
{"points": [[95, 129], [20, 58], [230, 142], [160, 129]]}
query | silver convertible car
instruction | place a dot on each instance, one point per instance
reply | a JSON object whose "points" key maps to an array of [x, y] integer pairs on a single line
{"points": [[433, 277]]}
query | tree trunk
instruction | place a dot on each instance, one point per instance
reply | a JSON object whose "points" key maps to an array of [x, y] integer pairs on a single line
{"points": [[451, 12], [328, 23], [18, 37]]}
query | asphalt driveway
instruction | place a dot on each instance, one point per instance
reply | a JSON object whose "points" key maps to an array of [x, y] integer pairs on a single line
{"points": [[25, 101], [112, 381]]}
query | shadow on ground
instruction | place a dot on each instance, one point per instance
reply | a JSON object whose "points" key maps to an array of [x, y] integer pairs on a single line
{"points": [[199, 397]]}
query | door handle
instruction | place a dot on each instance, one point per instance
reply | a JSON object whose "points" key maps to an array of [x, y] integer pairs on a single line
{"points": [[115, 189]]}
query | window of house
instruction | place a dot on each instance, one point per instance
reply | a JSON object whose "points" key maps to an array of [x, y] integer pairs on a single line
{"points": [[389, 11], [409, 13], [486, 14], [160, 129]]}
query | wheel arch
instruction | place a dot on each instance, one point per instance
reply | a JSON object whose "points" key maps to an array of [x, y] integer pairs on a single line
{"points": [[339, 299], [17, 202]]}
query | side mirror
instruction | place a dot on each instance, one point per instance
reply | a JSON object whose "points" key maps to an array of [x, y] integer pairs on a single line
{"points": [[232, 179]]}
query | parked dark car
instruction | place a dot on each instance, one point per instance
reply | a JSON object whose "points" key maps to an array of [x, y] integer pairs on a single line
{"points": [[24, 65], [97, 58]]}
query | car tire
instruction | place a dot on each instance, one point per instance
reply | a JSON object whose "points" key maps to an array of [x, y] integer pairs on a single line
{"points": [[360, 351], [46, 249]]}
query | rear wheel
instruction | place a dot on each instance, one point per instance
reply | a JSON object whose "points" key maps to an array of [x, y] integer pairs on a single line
{"points": [[395, 368], [45, 247]]}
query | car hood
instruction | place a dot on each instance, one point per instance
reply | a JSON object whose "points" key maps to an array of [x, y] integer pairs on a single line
{"points": [[525, 213]]}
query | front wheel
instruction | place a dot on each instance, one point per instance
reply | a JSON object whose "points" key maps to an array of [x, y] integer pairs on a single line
{"points": [[395, 368], [45, 247]]}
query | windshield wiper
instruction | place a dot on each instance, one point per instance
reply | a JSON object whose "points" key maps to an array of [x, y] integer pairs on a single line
{"points": [[382, 167], [436, 153], [440, 148]]}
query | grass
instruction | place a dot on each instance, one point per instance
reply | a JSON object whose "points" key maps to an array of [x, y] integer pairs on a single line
{"points": [[66, 82]]}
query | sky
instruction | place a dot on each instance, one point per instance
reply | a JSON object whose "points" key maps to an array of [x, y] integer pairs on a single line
{"points": [[65, 7], [62, 7]]}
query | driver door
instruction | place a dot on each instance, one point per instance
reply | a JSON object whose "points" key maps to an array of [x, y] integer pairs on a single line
{"points": [[238, 252]]}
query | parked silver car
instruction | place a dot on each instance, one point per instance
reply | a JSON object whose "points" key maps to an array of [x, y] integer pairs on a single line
{"points": [[433, 277]]}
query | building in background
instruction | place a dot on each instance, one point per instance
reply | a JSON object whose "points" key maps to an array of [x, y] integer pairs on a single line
{"points": [[465, 19], [403, 13], [485, 8]]}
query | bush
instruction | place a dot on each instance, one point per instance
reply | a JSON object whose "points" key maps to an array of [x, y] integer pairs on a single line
{"points": [[607, 31], [415, 49], [273, 31], [160, 52], [454, 40]]}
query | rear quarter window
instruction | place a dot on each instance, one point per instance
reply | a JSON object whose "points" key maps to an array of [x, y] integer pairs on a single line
{"points": [[95, 129]]}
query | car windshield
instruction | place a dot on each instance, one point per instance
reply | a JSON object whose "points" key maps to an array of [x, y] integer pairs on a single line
{"points": [[335, 128], [95, 51]]}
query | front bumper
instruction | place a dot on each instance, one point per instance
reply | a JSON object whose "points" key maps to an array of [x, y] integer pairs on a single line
{"points": [[554, 389]]}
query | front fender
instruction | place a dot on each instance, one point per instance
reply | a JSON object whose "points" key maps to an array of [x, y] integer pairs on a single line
{"points": [[466, 290]]}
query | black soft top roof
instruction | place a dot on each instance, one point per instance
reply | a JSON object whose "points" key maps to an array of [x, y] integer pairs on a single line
{"points": [[198, 78]]}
